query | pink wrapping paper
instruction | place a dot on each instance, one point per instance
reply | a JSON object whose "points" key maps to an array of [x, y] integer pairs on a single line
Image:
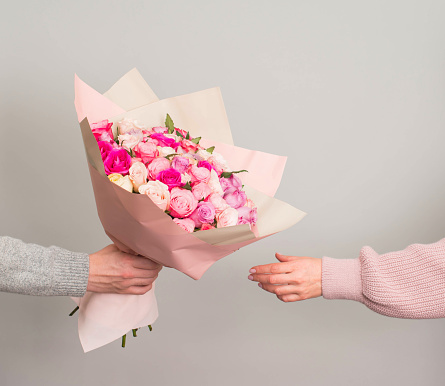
{"points": [[134, 223]]}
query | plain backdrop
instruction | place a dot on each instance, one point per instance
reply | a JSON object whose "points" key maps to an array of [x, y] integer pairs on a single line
{"points": [[353, 92]]}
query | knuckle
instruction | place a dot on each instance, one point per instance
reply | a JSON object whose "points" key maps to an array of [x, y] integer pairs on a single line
{"points": [[127, 274], [272, 279], [274, 269]]}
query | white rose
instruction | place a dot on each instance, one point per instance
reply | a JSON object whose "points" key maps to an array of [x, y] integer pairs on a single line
{"points": [[218, 158], [130, 139], [165, 151], [128, 124], [204, 154], [185, 178], [214, 183]]}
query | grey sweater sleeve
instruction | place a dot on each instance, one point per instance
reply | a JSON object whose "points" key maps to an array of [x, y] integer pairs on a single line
{"points": [[31, 269]]}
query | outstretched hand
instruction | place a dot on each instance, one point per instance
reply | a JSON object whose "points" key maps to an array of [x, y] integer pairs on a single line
{"points": [[293, 279], [113, 271]]}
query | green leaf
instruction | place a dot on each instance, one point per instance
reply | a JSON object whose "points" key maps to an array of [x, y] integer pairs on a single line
{"points": [[171, 155], [187, 186], [169, 123], [210, 149], [196, 140], [188, 135], [178, 133], [229, 174]]}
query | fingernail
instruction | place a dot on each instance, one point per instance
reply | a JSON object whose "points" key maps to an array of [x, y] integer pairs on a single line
{"points": [[250, 277], [260, 285], [252, 270]]}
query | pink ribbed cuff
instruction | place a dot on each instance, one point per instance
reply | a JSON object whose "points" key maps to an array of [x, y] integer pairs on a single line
{"points": [[341, 279]]}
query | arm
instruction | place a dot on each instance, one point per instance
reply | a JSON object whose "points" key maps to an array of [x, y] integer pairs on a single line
{"points": [[31, 269], [404, 284]]}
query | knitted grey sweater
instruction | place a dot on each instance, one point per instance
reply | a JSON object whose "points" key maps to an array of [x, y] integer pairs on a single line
{"points": [[31, 269]]}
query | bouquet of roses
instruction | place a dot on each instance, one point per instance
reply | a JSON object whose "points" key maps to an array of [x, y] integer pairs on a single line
{"points": [[191, 208], [193, 185]]}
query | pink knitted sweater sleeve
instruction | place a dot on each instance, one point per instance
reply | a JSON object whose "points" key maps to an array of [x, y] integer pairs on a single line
{"points": [[405, 284]]}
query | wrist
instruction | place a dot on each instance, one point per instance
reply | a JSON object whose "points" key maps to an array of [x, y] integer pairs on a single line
{"points": [[341, 279]]}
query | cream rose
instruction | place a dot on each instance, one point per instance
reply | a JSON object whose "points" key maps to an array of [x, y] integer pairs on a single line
{"points": [[138, 174], [158, 193], [120, 180]]}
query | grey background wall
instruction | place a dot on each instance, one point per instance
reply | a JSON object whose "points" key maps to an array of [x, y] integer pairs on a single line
{"points": [[358, 88]]}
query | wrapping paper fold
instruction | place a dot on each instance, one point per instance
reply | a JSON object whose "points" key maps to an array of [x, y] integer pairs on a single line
{"points": [[135, 224]]}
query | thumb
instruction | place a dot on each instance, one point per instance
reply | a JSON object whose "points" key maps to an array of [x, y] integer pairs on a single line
{"points": [[284, 258]]}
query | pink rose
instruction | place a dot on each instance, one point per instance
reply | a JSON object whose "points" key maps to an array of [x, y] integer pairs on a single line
{"points": [[201, 190], [170, 177], [218, 202], [189, 146], [182, 202], [185, 223], [199, 174], [207, 165], [247, 215], [161, 130], [158, 193], [250, 203], [102, 131], [164, 141], [147, 151], [105, 148], [138, 174], [227, 218], [183, 132], [156, 166], [206, 226], [235, 197], [204, 213], [180, 164], [118, 161], [232, 182]]}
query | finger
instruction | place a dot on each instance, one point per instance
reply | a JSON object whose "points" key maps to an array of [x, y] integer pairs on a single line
{"points": [[289, 298], [144, 263], [140, 282], [271, 279], [280, 289], [144, 273], [138, 290], [284, 258], [272, 268]]}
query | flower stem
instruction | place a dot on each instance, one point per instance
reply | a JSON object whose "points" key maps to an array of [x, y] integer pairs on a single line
{"points": [[124, 339], [134, 332], [74, 311], [150, 327]]}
